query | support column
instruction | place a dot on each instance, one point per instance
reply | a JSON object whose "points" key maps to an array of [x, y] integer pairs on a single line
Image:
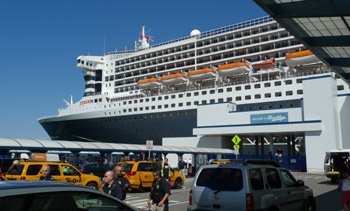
{"points": [[293, 144], [288, 145], [262, 150], [257, 145]]}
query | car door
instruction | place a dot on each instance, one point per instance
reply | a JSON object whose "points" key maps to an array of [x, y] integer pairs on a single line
{"points": [[275, 188], [295, 191], [145, 172], [70, 174], [55, 172]]}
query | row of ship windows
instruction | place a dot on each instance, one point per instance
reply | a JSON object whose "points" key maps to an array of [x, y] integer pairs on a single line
{"points": [[203, 43], [214, 49], [220, 100], [151, 116], [187, 63]]}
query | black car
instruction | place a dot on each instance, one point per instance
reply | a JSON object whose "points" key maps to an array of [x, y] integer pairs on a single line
{"points": [[44, 195], [95, 168]]}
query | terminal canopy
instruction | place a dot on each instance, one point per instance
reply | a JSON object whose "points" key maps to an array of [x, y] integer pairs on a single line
{"points": [[36, 145]]}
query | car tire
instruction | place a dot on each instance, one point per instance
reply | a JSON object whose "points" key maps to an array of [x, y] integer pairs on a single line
{"points": [[178, 183], [92, 185], [310, 205]]}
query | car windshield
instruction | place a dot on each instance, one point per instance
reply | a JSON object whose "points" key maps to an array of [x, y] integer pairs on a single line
{"points": [[15, 170], [221, 179], [126, 167]]}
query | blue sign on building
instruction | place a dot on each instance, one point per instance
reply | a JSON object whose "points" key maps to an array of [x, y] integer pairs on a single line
{"points": [[269, 118]]}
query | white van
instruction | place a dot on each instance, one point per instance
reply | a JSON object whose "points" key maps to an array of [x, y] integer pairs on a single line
{"points": [[330, 162]]}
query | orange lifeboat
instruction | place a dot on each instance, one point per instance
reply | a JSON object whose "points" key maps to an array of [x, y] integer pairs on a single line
{"points": [[235, 68], [267, 64], [300, 58], [201, 74], [148, 83], [172, 79]]}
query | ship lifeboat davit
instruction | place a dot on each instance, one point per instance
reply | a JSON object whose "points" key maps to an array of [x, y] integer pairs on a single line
{"points": [[148, 83], [235, 68], [201, 74], [267, 64], [299, 58], [172, 79]]}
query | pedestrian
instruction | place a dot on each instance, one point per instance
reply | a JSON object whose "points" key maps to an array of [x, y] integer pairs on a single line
{"points": [[159, 196], [344, 185], [181, 166], [46, 174], [166, 170], [121, 180], [111, 186]]}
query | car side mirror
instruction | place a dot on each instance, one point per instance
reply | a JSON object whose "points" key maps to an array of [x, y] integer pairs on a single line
{"points": [[300, 183]]}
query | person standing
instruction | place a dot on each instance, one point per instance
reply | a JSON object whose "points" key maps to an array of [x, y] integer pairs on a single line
{"points": [[122, 181], [46, 176], [166, 170], [159, 196], [111, 186]]}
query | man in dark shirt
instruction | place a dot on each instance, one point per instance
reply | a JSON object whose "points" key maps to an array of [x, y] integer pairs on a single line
{"points": [[111, 186], [126, 186], [159, 196], [46, 174]]}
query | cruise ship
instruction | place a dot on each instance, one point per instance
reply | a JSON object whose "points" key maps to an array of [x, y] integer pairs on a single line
{"points": [[153, 91]]}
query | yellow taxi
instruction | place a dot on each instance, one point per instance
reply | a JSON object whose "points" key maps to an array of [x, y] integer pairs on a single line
{"points": [[221, 161], [62, 172], [140, 174]]}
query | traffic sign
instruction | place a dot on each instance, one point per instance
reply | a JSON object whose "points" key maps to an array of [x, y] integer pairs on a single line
{"points": [[236, 139], [236, 146], [149, 144]]}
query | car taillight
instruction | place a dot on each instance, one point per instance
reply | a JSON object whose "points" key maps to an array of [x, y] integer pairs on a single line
{"points": [[249, 201], [130, 173], [190, 198], [23, 178]]}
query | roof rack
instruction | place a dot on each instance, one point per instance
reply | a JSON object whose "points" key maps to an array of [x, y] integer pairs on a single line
{"points": [[262, 162]]}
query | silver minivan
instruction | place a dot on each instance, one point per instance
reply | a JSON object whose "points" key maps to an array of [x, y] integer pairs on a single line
{"points": [[249, 185]]}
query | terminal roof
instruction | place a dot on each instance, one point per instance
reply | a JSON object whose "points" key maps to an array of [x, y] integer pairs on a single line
{"points": [[38, 145]]}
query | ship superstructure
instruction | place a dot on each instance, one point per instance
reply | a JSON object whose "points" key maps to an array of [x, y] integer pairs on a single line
{"points": [[153, 91]]}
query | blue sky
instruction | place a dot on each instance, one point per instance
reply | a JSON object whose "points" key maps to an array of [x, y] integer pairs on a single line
{"points": [[40, 41]]}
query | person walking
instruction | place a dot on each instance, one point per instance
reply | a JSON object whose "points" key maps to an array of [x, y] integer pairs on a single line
{"points": [[46, 176], [159, 196], [111, 186], [122, 181]]}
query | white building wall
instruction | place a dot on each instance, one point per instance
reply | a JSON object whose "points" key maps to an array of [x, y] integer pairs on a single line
{"points": [[344, 120], [320, 103]]}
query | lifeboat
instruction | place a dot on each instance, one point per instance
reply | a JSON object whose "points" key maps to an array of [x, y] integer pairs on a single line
{"points": [[148, 83], [201, 74], [172, 79], [231, 69], [267, 64], [299, 58]]}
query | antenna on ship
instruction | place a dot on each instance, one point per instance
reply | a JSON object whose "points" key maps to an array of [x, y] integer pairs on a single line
{"points": [[143, 40]]}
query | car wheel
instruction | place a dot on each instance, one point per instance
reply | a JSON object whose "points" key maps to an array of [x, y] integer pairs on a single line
{"points": [[178, 183], [92, 185], [310, 205]]}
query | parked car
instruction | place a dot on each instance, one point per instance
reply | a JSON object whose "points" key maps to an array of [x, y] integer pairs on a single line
{"points": [[62, 172], [249, 185], [95, 168], [43, 195], [139, 174]]}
